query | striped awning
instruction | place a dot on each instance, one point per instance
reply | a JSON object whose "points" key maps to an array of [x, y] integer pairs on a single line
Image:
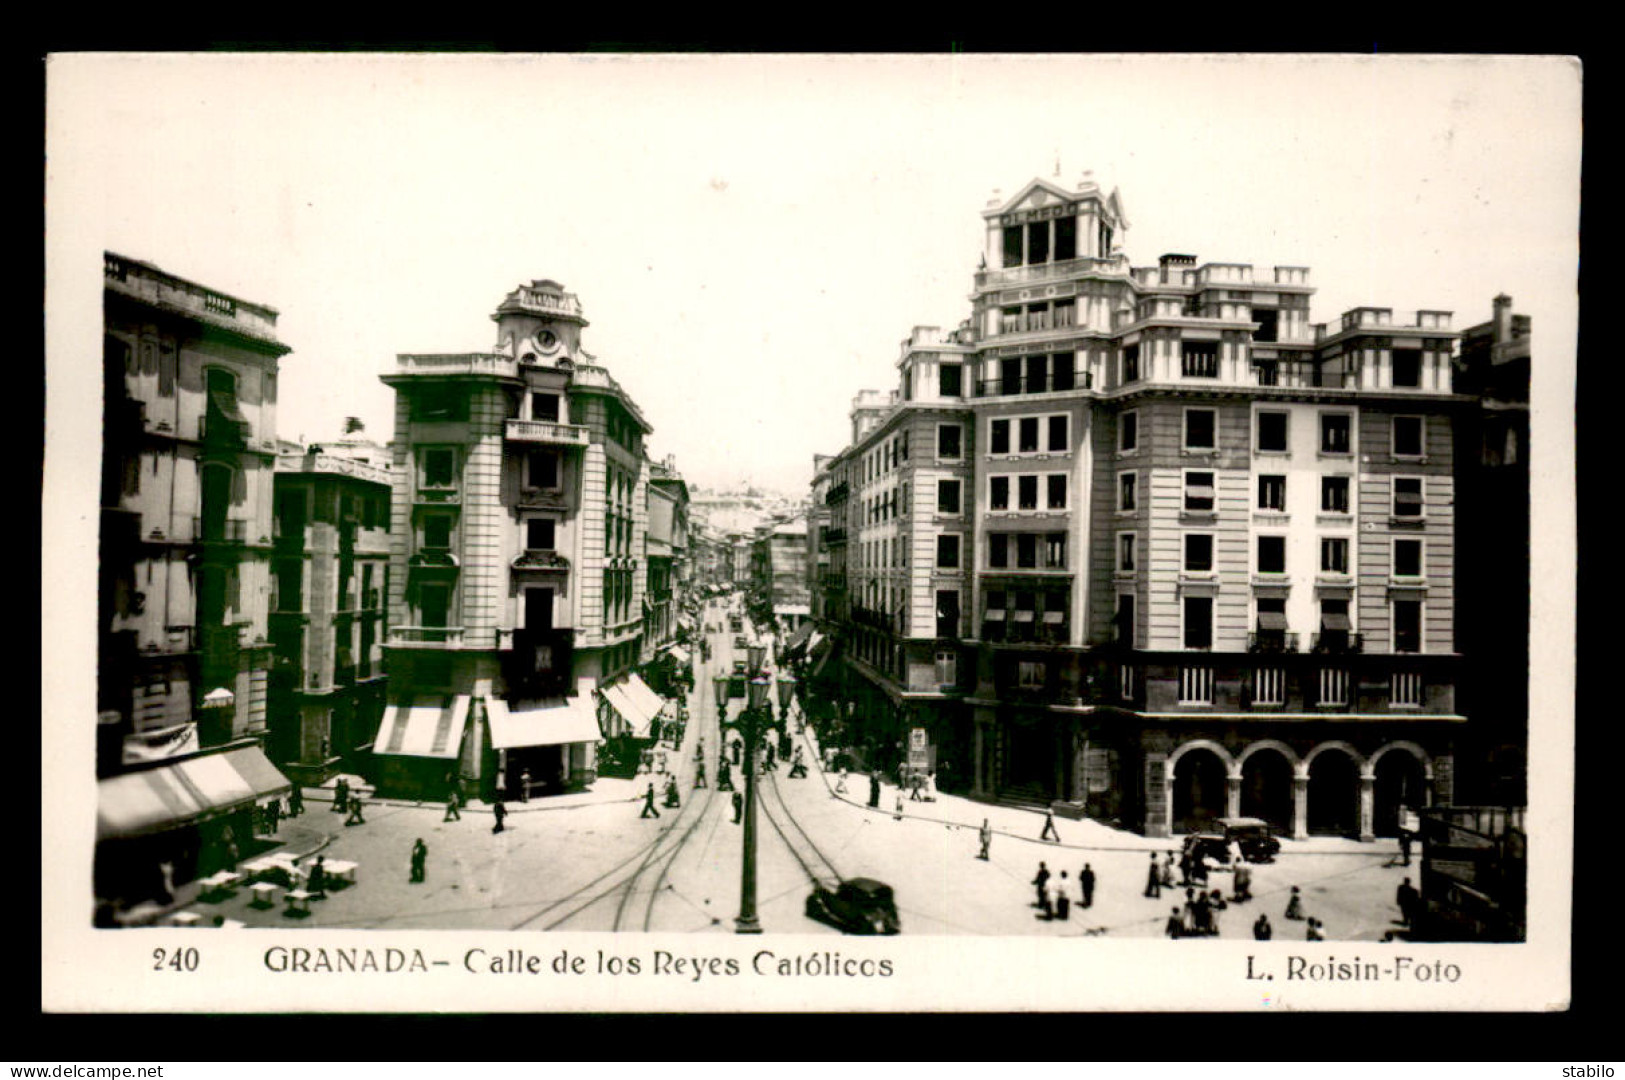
{"points": [[429, 726], [189, 791], [548, 722], [635, 718]]}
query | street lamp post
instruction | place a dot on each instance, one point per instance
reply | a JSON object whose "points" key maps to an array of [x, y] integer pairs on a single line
{"points": [[752, 723]]}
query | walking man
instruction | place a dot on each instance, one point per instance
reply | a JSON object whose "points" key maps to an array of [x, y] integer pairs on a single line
{"points": [[1086, 882], [840, 785], [671, 791], [1294, 904], [649, 803], [499, 810], [699, 773], [1063, 902], [318, 879], [355, 817], [1049, 832], [1039, 883], [874, 789], [453, 813], [524, 785], [296, 801], [420, 856], [739, 807], [1153, 883], [1261, 928], [987, 839], [899, 815], [1175, 926], [1405, 846], [341, 795], [1406, 898], [725, 778]]}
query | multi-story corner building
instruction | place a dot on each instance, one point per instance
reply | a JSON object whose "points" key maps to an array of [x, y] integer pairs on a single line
{"points": [[189, 383], [1144, 542], [516, 583], [1492, 526], [329, 580]]}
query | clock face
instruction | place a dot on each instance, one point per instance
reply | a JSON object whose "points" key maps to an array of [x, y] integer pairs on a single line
{"points": [[547, 341]]}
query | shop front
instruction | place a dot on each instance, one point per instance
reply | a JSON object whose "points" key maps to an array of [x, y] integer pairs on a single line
{"points": [[420, 742], [541, 747]]}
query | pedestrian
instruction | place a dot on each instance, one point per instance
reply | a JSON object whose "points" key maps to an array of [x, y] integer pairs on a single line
{"points": [[1086, 883], [499, 810], [840, 785], [524, 785], [1186, 874], [738, 748], [1405, 846], [273, 814], [317, 885], [1192, 924], [915, 783], [355, 817], [874, 789], [725, 777], [699, 774], [1234, 851], [987, 839], [1175, 926], [798, 767], [1215, 900], [228, 844], [722, 761], [296, 801], [420, 856], [1311, 931], [899, 815], [1168, 871], [1153, 883], [1261, 928], [1039, 882], [1049, 832], [671, 792], [453, 812], [1243, 887], [649, 803], [930, 787], [1063, 902], [341, 795], [1406, 898], [739, 807], [1294, 905]]}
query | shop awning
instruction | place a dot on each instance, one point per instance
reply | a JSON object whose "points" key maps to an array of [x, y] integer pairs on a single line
{"points": [[1024, 615], [830, 650], [1334, 621], [799, 638], [643, 697], [1272, 620], [631, 713], [169, 796], [429, 726], [680, 654], [549, 722]]}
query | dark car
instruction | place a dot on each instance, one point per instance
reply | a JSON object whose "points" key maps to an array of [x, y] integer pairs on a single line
{"points": [[855, 906], [1252, 835]]}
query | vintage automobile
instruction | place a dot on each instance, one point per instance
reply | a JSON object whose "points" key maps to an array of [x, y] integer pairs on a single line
{"points": [[855, 906], [1252, 835]]}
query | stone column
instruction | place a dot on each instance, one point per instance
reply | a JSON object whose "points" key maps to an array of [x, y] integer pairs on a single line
{"points": [[1159, 796], [1368, 785], [979, 788], [1232, 793], [1300, 803]]}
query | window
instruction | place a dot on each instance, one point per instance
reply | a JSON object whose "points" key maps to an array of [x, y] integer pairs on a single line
{"points": [[1199, 429], [949, 381], [1055, 551], [1334, 494], [1061, 373], [1026, 551], [1010, 374], [1027, 492], [947, 667], [1407, 496], [1408, 558], [948, 552], [1131, 363], [1066, 238], [439, 468], [437, 532], [1269, 321], [1127, 490], [1408, 367], [1055, 494], [1195, 686], [1125, 552], [948, 441], [1123, 620], [439, 403], [948, 614], [948, 496], [1010, 320], [539, 534], [1334, 433], [1037, 242], [1058, 441], [544, 407], [1272, 493], [1407, 626], [1334, 555], [998, 492], [1272, 429], [434, 603], [1030, 674], [1013, 247], [1028, 440], [1272, 554], [1198, 552], [542, 469], [1408, 436], [994, 613], [1128, 432], [1037, 366], [998, 550], [1199, 359], [998, 437], [1199, 495], [1405, 690]]}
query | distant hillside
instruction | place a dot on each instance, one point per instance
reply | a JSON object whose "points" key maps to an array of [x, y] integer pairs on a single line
{"points": [[740, 508]]}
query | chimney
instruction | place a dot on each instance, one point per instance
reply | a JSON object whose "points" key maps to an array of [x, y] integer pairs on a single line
{"points": [[1503, 318]]}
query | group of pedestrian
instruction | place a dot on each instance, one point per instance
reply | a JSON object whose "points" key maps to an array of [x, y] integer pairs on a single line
{"points": [[1196, 918], [268, 817], [1054, 893]]}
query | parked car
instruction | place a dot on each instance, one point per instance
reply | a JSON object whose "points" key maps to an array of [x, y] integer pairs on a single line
{"points": [[1253, 836], [855, 906]]}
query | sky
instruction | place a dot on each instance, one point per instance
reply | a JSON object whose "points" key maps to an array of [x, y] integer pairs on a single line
{"points": [[752, 237]]}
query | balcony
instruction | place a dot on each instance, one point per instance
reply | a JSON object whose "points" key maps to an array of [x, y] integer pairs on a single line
{"points": [[1335, 641], [1272, 641], [437, 496], [1116, 265], [542, 498], [541, 559], [457, 364], [223, 431], [1048, 383], [545, 433], [221, 531], [431, 637]]}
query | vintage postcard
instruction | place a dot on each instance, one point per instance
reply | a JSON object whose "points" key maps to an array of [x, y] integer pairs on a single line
{"points": [[702, 533]]}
